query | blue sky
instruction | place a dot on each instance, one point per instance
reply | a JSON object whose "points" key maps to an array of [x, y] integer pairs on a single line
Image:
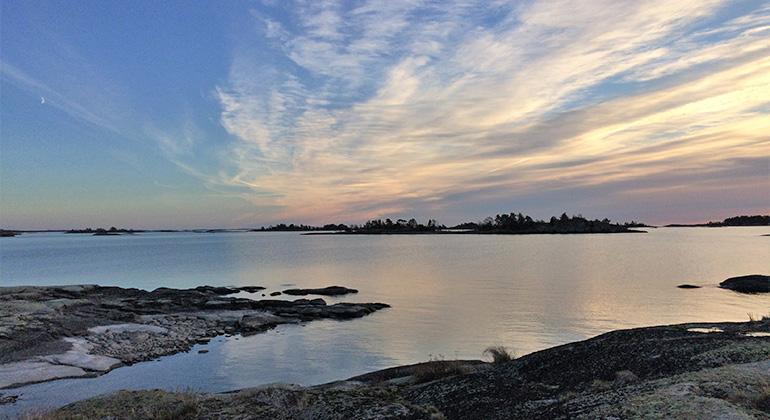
{"points": [[236, 114]]}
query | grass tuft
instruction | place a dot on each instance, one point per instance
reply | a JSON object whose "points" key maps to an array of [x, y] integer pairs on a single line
{"points": [[437, 368], [625, 377], [499, 354]]}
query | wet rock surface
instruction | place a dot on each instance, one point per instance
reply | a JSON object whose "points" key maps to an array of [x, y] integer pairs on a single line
{"points": [[70, 331]]}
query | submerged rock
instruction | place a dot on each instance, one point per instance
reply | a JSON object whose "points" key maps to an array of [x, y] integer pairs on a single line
{"points": [[754, 283]]}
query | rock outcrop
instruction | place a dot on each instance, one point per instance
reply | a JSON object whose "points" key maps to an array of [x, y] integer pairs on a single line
{"points": [[754, 283], [325, 291], [85, 330]]}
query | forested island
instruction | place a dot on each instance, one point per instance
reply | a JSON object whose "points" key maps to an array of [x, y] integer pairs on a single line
{"points": [[511, 223], [732, 221], [103, 232]]}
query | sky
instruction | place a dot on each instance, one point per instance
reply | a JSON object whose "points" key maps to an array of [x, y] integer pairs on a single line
{"points": [[178, 114]]}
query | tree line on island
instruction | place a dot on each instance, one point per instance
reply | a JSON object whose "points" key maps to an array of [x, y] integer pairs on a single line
{"points": [[104, 232], [512, 223], [733, 221]]}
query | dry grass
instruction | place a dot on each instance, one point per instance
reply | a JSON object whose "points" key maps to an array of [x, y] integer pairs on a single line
{"points": [[437, 368], [126, 405], [758, 399], [499, 354], [625, 377], [601, 385]]}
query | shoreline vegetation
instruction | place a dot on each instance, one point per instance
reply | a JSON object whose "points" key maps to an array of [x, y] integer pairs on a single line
{"points": [[506, 224]]}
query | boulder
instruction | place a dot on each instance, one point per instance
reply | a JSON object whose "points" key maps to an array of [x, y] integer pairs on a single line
{"points": [[754, 283]]}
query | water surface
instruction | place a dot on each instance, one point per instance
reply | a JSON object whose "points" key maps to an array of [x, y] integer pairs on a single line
{"points": [[451, 295]]}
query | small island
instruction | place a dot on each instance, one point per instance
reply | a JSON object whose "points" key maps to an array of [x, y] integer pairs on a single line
{"points": [[113, 231], [757, 220], [503, 224]]}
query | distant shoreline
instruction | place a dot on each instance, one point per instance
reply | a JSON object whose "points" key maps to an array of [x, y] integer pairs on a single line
{"points": [[472, 232]]}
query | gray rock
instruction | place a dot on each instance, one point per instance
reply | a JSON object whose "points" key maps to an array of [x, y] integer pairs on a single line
{"points": [[139, 336], [76, 288], [214, 303], [119, 328], [30, 372]]}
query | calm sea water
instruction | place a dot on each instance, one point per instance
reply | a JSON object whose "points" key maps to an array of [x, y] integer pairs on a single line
{"points": [[451, 295]]}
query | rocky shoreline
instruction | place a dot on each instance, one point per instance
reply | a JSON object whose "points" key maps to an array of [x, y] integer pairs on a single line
{"points": [[693, 371], [55, 332]]}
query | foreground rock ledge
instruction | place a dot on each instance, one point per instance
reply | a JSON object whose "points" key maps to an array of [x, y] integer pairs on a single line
{"points": [[657, 372], [57, 332]]}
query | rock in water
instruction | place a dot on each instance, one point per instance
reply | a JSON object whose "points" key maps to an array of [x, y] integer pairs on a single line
{"points": [[754, 283], [326, 291]]}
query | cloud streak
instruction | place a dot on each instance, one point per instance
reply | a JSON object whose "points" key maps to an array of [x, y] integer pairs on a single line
{"points": [[412, 106]]}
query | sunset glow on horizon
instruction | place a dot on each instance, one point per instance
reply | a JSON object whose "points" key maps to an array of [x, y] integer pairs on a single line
{"points": [[240, 114]]}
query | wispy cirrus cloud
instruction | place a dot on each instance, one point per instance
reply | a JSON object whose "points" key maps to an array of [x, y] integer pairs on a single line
{"points": [[71, 101], [397, 107]]}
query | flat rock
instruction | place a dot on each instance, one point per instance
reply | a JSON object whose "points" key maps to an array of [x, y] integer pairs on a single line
{"points": [[30, 372], [77, 288], [78, 356], [217, 290], [251, 289], [754, 283], [325, 291], [128, 328], [84, 361]]}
